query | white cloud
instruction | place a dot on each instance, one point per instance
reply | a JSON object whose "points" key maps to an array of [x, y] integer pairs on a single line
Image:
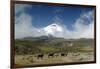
{"points": [[21, 7], [82, 28], [23, 26], [23, 22]]}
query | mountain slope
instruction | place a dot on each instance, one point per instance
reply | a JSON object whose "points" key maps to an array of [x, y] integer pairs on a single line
{"points": [[52, 30]]}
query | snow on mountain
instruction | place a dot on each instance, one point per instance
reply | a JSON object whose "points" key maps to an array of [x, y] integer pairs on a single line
{"points": [[52, 29]]}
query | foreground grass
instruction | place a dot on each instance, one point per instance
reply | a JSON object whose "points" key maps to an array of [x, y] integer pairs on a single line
{"points": [[81, 51], [22, 60]]}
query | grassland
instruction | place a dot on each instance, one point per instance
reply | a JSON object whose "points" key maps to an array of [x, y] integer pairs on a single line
{"points": [[26, 51]]}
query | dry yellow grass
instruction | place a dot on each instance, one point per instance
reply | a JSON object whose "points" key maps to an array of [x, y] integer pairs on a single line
{"points": [[23, 60]]}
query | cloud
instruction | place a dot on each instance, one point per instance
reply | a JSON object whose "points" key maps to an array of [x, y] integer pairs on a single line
{"points": [[21, 8], [24, 27], [82, 28], [23, 22]]}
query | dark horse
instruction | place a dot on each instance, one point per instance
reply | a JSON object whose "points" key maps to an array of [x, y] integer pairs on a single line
{"points": [[64, 54], [40, 56], [50, 55]]}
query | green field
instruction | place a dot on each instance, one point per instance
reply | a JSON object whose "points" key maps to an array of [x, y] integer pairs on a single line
{"points": [[27, 50]]}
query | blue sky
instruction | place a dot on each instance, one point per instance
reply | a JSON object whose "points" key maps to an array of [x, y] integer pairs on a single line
{"points": [[39, 16], [44, 15]]}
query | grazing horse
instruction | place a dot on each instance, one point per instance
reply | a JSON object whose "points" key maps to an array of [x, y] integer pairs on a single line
{"points": [[63, 54], [50, 54], [40, 56]]}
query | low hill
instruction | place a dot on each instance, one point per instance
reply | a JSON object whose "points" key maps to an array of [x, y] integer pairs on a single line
{"points": [[44, 44]]}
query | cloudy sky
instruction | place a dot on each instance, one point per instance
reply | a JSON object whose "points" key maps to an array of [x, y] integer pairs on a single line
{"points": [[77, 20]]}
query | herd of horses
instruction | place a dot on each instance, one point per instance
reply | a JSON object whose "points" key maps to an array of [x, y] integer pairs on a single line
{"points": [[40, 56]]}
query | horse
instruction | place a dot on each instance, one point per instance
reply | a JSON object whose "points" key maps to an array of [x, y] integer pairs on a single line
{"points": [[40, 56], [63, 54], [50, 55]]}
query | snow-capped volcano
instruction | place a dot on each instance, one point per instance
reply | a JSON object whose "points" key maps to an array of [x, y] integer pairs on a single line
{"points": [[52, 29]]}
